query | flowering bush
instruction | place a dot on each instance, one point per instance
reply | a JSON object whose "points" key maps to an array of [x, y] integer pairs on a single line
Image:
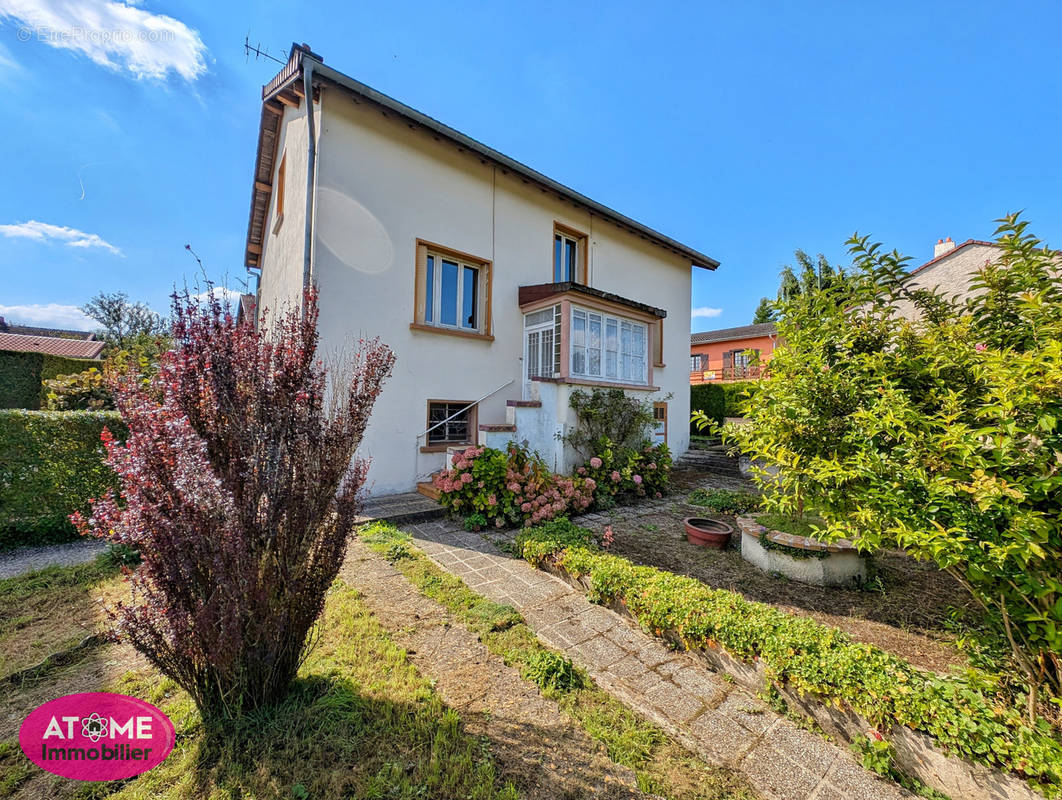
{"points": [[238, 488], [509, 487], [624, 473]]}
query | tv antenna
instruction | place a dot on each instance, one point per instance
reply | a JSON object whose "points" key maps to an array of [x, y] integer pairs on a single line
{"points": [[249, 48]]}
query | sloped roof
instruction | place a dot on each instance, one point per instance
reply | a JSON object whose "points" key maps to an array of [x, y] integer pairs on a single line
{"points": [[288, 82], [951, 252], [33, 330], [731, 334], [51, 346]]}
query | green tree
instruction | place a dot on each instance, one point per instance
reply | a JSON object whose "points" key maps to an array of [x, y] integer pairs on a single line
{"points": [[764, 312], [939, 436], [123, 322], [807, 277]]}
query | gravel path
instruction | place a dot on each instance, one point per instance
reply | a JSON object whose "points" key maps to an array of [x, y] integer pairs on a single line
{"points": [[537, 747], [29, 559]]}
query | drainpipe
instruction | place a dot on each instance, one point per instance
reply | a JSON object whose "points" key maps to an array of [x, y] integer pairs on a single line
{"points": [[311, 167]]}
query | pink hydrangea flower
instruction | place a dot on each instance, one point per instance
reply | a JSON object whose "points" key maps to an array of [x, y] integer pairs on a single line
{"points": [[596, 462], [637, 479], [466, 478], [615, 476]]}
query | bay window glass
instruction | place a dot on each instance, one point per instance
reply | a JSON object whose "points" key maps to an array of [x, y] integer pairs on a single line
{"points": [[607, 348]]}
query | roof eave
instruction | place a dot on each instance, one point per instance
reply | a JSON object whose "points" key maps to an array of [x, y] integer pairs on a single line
{"points": [[322, 71]]}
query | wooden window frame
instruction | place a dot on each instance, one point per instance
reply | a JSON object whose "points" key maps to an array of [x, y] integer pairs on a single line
{"points": [[441, 447], [582, 254], [281, 184], [656, 330], [662, 404], [486, 274]]}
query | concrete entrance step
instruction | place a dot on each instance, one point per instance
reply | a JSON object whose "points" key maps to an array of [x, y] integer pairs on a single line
{"points": [[408, 508]]}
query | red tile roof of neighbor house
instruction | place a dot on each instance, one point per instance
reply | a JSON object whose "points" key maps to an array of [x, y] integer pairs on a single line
{"points": [[51, 346], [730, 334]]}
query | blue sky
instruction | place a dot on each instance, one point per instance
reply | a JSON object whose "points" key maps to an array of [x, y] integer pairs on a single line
{"points": [[743, 129]]}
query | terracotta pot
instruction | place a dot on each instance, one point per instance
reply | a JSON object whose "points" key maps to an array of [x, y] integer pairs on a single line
{"points": [[707, 532]]}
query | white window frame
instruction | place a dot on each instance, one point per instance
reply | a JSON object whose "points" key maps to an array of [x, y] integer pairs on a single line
{"points": [[565, 238], [582, 352], [432, 310]]}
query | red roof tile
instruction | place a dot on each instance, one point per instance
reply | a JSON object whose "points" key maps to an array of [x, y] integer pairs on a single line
{"points": [[51, 345]]}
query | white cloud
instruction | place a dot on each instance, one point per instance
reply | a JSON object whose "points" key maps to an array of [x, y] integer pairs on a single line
{"points": [[222, 293], [705, 311], [48, 315], [114, 34], [44, 232]]}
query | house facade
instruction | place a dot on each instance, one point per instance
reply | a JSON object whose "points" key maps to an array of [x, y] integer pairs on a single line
{"points": [[951, 271], [724, 355], [500, 290]]}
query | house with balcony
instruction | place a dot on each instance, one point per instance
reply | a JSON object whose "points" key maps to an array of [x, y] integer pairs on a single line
{"points": [[731, 354], [500, 290]]}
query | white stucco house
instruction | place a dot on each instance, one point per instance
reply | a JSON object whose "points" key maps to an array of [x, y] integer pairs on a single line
{"points": [[499, 290]]}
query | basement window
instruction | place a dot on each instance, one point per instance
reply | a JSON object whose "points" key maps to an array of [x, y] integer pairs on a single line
{"points": [[451, 422]]}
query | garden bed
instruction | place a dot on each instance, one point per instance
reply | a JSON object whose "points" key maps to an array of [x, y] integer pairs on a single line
{"points": [[905, 609], [960, 735]]}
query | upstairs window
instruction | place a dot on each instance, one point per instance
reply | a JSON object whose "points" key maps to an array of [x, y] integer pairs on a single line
{"points": [[569, 256], [453, 292], [608, 348], [695, 363]]}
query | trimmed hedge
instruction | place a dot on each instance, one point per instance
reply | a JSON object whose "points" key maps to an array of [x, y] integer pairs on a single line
{"points": [[719, 400], [709, 398], [963, 713], [51, 464], [22, 376]]}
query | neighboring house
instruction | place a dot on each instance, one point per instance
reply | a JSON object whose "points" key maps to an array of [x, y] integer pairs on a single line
{"points": [[500, 290], [724, 355], [62, 347], [31, 330], [27, 360], [951, 270]]}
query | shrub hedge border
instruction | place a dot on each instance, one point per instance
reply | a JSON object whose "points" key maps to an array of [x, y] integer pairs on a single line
{"points": [[22, 376], [51, 464], [803, 657]]}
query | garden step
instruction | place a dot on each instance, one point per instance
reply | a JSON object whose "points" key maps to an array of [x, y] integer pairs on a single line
{"points": [[710, 460], [427, 488], [408, 508]]}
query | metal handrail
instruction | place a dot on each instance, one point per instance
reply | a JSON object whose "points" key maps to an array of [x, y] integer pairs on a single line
{"points": [[461, 411]]}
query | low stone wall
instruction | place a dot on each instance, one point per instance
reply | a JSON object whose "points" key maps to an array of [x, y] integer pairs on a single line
{"points": [[836, 564], [914, 753]]}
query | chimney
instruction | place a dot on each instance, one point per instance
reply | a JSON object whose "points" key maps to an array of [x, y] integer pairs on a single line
{"points": [[943, 246]]}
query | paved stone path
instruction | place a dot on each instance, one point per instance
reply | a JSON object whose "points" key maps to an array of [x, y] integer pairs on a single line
{"points": [[537, 746], [721, 722], [28, 559]]}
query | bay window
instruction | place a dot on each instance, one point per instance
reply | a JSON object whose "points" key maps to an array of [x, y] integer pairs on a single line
{"points": [[608, 348]]}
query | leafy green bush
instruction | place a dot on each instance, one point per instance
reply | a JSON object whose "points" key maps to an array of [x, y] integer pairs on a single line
{"points": [[82, 391], [908, 419], [724, 501], [554, 535], [51, 464], [710, 399], [968, 715], [22, 375], [609, 415]]}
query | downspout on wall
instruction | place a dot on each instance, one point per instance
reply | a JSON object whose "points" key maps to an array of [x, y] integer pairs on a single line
{"points": [[311, 170]]}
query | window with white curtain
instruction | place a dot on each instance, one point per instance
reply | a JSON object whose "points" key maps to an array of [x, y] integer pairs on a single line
{"points": [[608, 348]]}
